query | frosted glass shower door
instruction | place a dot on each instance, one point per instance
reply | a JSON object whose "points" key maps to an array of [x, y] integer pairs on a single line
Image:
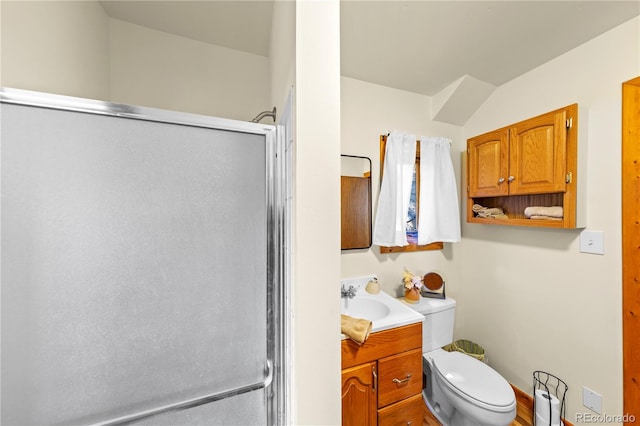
{"points": [[135, 270]]}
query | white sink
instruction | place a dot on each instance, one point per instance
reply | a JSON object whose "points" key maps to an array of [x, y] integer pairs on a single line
{"points": [[365, 307], [382, 309]]}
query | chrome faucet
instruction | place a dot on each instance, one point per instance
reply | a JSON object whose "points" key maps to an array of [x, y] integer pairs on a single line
{"points": [[348, 292]]}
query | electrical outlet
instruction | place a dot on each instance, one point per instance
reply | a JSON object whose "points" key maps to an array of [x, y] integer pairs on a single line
{"points": [[592, 400]]}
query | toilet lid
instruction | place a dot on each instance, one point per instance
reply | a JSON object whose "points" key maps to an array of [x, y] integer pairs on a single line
{"points": [[475, 379]]}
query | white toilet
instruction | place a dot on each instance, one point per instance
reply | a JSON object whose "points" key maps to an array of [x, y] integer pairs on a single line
{"points": [[460, 390]]}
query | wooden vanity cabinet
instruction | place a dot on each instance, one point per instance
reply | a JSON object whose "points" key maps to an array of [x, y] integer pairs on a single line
{"points": [[530, 163], [382, 378]]}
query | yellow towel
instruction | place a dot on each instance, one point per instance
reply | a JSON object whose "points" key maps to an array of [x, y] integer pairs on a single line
{"points": [[357, 329]]}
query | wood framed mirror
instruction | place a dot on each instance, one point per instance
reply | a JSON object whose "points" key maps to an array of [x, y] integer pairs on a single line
{"points": [[355, 205]]}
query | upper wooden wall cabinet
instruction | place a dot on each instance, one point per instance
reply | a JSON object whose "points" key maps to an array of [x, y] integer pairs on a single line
{"points": [[531, 163]]}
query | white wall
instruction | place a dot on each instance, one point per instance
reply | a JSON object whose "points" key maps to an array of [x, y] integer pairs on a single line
{"points": [[528, 295], [161, 70], [73, 48], [57, 47], [316, 305], [282, 52], [368, 111]]}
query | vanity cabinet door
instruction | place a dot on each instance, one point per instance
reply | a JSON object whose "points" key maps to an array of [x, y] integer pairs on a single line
{"points": [[359, 395], [400, 376]]}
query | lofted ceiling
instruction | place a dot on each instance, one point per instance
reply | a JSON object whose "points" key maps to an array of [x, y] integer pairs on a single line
{"points": [[418, 46], [239, 25]]}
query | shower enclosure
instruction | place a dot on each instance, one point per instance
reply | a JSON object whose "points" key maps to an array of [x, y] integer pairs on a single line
{"points": [[142, 266]]}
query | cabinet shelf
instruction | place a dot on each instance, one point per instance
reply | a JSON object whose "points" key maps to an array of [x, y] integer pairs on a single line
{"points": [[541, 223]]}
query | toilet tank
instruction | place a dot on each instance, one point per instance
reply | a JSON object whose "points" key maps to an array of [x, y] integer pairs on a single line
{"points": [[437, 326]]}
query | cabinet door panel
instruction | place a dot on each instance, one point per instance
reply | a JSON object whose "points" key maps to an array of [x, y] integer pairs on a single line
{"points": [[359, 395], [488, 164], [537, 151], [400, 376]]}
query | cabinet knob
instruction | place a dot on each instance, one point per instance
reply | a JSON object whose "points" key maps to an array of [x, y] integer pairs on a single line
{"points": [[511, 178], [501, 180]]}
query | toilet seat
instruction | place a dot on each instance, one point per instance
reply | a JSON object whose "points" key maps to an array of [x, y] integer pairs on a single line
{"points": [[474, 380]]}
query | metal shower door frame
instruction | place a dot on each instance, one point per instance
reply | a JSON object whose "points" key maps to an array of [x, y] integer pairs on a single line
{"points": [[275, 379]]}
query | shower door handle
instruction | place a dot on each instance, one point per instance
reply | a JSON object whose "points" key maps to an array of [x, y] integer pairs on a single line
{"points": [[193, 402]]}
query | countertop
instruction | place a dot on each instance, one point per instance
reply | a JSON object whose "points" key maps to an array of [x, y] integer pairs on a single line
{"points": [[399, 313]]}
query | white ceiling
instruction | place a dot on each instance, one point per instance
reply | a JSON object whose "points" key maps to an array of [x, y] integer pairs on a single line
{"points": [[418, 46]]}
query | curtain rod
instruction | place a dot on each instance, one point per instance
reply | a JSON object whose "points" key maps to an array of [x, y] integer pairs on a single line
{"points": [[417, 140]]}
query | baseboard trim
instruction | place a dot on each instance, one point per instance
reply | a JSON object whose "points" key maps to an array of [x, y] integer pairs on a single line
{"points": [[525, 406]]}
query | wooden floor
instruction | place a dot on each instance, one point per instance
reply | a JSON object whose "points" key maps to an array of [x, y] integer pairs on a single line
{"points": [[523, 417]]}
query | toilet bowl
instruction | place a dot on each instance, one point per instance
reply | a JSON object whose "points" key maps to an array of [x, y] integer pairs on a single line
{"points": [[460, 390], [473, 393]]}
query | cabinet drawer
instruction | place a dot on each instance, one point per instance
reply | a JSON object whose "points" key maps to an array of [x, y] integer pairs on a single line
{"points": [[381, 344], [399, 377], [407, 412]]}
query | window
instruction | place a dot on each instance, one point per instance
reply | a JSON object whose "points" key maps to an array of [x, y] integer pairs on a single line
{"points": [[412, 222]]}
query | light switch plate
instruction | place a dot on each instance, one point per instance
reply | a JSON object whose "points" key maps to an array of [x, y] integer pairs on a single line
{"points": [[592, 242]]}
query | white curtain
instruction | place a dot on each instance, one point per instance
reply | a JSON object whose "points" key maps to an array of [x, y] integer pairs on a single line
{"points": [[438, 212], [393, 202]]}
